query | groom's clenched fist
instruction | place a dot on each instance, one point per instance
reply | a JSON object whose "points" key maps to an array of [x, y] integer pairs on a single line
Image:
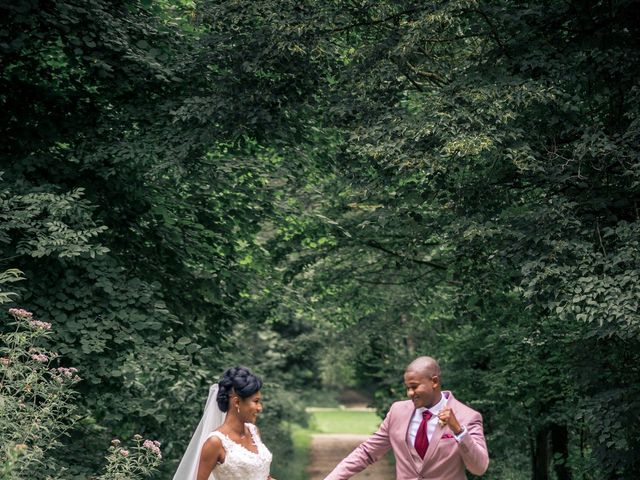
{"points": [[447, 417]]}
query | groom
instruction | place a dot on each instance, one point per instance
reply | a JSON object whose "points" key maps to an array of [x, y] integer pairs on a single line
{"points": [[433, 435]]}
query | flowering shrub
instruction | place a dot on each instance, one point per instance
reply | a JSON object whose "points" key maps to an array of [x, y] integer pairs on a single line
{"points": [[36, 397], [137, 461], [37, 409]]}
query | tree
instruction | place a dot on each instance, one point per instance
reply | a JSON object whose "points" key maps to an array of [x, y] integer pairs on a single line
{"points": [[491, 148]]}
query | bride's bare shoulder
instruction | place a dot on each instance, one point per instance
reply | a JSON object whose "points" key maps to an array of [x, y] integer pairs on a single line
{"points": [[212, 447], [212, 453]]}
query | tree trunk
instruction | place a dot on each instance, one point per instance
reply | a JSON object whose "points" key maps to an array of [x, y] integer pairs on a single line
{"points": [[560, 449], [409, 345], [540, 463]]}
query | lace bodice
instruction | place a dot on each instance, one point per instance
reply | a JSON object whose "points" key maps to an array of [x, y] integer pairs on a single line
{"points": [[240, 463]]}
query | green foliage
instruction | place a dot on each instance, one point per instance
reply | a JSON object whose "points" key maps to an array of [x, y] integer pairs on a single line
{"points": [[135, 462], [484, 210], [190, 185], [9, 276], [298, 461], [39, 408], [134, 189], [36, 398]]}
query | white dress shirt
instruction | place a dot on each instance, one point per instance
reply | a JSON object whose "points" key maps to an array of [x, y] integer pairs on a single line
{"points": [[416, 420]]}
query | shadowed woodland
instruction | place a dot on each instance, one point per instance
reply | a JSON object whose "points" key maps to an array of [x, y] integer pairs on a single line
{"points": [[322, 190]]}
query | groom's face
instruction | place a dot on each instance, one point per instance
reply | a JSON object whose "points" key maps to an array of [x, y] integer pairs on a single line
{"points": [[423, 389]]}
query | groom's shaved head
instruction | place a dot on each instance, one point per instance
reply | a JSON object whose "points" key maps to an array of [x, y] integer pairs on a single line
{"points": [[427, 366], [422, 379]]}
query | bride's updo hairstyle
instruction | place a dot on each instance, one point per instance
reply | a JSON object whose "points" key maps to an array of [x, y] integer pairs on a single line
{"points": [[238, 380]]}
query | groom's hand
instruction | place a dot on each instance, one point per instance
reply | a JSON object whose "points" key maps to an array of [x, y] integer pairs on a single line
{"points": [[448, 418]]}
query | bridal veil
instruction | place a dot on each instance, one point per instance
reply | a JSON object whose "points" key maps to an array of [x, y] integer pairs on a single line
{"points": [[212, 419]]}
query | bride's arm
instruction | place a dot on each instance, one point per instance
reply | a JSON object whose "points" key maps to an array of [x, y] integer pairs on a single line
{"points": [[212, 453]]}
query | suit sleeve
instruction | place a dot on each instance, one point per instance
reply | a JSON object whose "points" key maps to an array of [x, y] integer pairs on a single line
{"points": [[368, 452], [473, 447]]}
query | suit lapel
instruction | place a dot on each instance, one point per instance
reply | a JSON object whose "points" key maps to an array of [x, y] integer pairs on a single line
{"points": [[437, 435], [433, 444]]}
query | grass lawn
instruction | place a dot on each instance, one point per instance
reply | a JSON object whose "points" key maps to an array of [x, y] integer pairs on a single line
{"points": [[344, 421], [325, 421]]}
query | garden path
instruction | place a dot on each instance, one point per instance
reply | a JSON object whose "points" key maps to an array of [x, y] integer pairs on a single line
{"points": [[327, 449]]}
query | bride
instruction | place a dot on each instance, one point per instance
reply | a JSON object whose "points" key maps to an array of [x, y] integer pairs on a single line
{"points": [[227, 445]]}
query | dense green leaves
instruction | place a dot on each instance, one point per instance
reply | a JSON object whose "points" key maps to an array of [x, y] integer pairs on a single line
{"points": [[192, 184], [132, 217], [485, 211]]}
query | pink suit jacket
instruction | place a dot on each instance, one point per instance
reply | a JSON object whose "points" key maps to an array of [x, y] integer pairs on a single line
{"points": [[445, 459]]}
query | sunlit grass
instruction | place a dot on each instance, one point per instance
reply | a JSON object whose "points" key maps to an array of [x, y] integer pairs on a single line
{"points": [[344, 421]]}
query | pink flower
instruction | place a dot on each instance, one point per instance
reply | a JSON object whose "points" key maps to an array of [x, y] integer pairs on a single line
{"points": [[125, 453], [40, 357], [67, 372], [39, 324], [115, 442], [154, 446], [20, 312]]}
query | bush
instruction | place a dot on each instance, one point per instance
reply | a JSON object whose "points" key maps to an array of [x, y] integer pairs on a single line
{"points": [[138, 461], [37, 409], [36, 397]]}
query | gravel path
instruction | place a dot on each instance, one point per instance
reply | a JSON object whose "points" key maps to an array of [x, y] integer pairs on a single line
{"points": [[328, 449]]}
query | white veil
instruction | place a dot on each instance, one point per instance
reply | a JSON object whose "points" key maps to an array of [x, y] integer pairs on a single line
{"points": [[212, 418]]}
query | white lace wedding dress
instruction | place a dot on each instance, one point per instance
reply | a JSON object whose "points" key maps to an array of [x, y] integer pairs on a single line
{"points": [[240, 463]]}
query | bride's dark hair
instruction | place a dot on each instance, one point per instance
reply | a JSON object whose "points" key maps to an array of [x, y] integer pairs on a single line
{"points": [[239, 380]]}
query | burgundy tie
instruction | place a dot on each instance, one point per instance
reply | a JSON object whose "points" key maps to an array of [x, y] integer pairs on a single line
{"points": [[422, 440]]}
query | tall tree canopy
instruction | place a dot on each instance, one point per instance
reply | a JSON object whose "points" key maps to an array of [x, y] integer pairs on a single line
{"points": [[190, 184], [485, 194]]}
